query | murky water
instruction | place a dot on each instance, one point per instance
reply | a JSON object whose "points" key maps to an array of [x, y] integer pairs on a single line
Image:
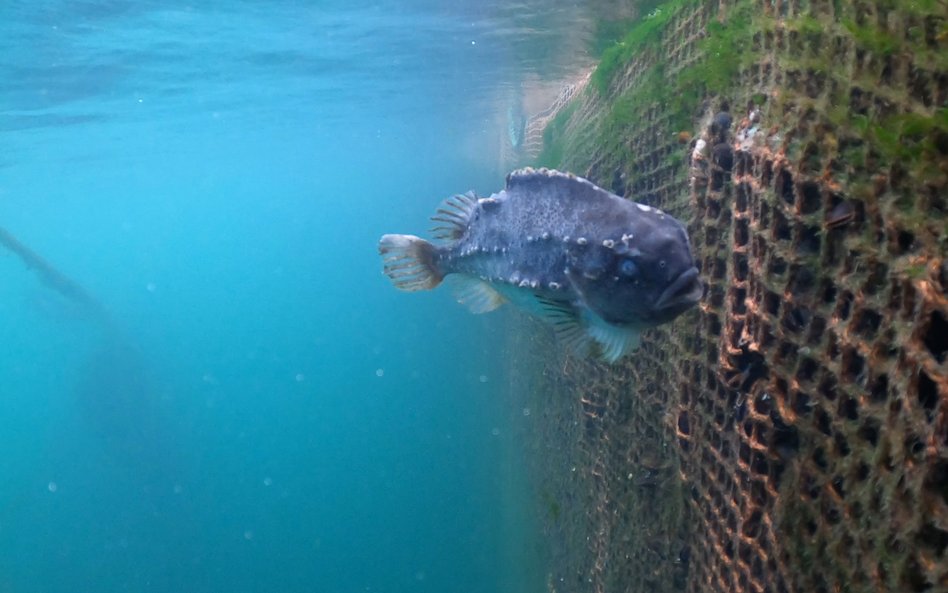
{"points": [[256, 410]]}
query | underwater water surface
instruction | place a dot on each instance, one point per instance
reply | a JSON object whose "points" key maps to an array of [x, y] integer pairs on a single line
{"points": [[257, 409]]}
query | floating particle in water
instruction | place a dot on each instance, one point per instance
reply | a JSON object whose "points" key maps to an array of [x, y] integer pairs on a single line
{"points": [[248, 535], [379, 372], [178, 489], [52, 487], [482, 378], [268, 481], [526, 411], [300, 377], [151, 287], [495, 431]]}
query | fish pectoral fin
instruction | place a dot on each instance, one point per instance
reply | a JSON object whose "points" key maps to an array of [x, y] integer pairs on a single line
{"points": [[476, 294], [567, 324], [615, 341], [579, 328]]}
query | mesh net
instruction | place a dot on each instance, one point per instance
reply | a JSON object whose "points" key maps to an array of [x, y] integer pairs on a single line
{"points": [[791, 434]]}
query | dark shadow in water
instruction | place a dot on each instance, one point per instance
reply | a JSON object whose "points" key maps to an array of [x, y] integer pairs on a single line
{"points": [[53, 278], [126, 467], [118, 393], [119, 396], [137, 484]]}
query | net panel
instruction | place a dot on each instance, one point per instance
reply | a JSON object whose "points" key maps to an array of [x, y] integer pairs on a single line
{"points": [[791, 434]]}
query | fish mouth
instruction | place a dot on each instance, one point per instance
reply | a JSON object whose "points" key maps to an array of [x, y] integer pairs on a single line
{"points": [[683, 293]]}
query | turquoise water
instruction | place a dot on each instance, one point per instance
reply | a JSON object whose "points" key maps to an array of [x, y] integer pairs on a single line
{"points": [[261, 411]]}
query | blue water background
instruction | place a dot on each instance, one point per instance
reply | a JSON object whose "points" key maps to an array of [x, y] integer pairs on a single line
{"points": [[264, 412]]}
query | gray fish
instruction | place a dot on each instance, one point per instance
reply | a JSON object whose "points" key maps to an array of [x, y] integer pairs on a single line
{"points": [[600, 268]]}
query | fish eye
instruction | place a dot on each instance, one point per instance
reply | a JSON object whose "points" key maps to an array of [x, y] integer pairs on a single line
{"points": [[628, 268]]}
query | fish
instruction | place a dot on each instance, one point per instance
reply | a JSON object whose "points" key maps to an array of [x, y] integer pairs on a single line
{"points": [[516, 127], [599, 268]]}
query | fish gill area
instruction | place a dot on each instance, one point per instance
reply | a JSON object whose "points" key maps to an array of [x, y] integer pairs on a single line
{"points": [[790, 434]]}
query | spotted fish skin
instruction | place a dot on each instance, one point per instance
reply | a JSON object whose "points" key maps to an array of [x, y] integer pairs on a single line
{"points": [[598, 267]]}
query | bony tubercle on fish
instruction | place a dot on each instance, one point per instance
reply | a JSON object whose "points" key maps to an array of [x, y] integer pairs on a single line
{"points": [[599, 268]]}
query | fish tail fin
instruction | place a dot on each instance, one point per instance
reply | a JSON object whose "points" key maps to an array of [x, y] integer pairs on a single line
{"points": [[410, 262]]}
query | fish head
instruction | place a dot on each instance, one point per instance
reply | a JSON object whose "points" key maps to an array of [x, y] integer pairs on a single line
{"points": [[637, 279]]}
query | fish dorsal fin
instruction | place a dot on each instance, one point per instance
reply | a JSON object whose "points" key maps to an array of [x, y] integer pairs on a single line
{"points": [[570, 186], [614, 341], [453, 216], [476, 294]]}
